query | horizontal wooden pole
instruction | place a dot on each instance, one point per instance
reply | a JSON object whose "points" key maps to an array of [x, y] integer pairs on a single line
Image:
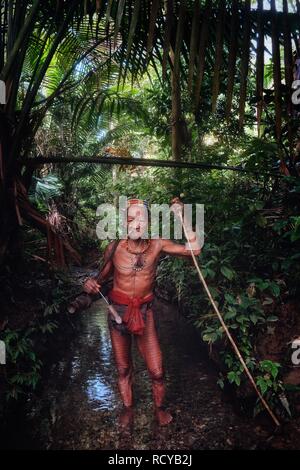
{"points": [[140, 162]]}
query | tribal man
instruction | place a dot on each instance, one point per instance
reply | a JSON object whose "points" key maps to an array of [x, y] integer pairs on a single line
{"points": [[133, 263]]}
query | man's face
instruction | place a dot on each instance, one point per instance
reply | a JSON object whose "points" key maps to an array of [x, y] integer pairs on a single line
{"points": [[137, 217]]}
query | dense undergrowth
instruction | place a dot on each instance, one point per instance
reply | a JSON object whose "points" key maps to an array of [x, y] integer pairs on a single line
{"points": [[250, 261], [33, 299]]}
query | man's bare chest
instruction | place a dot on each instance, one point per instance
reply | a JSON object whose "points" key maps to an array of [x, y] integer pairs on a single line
{"points": [[144, 262]]}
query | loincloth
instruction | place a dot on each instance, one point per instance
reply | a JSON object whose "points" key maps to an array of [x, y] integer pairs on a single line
{"points": [[121, 309]]}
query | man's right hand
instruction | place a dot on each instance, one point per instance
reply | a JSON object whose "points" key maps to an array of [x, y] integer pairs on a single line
{"points": [[91, 286]]}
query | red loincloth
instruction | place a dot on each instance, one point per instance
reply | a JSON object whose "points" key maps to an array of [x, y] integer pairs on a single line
{"points": [[133, 316]]}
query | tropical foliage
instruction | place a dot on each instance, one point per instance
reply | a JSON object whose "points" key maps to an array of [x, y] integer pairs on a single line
{"points": [[198, 81]]}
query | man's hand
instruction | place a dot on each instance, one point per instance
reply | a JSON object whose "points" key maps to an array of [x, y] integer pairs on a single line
{"points": [[193, 245], [177, 206], [91, 286]]}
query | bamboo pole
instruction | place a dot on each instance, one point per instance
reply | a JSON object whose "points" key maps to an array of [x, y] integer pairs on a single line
{"points": [[219, 55], [245, 61], [276, 69], [177, 121], [193, 44], [288, 69], [260, 64], [233, 49], [167, 36], [201, 53], [140, 162], [232, 342], [153, 16]]}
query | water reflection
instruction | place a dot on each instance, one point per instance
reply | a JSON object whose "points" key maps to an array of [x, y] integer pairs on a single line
{"points": [[93, 361], [99, 393]]}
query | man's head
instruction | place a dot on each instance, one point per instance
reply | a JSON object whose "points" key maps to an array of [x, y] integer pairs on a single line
{"points": [[137, 218]]}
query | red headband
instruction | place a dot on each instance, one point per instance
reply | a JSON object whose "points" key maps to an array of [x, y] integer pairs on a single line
{"points": [[132, 202]]}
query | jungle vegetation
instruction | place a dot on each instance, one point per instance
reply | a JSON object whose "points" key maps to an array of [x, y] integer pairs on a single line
{"points": [[187, 81]]}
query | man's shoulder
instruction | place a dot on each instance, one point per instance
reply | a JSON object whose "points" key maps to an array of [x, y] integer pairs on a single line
{"points": [[156, 243], [111, 248], [112, 244]]}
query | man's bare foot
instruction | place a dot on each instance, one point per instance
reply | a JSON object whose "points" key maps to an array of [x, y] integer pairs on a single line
{"points": [[163, 417], [126, 417]]}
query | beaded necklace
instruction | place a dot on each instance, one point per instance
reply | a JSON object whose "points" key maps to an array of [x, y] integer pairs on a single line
{"points": [[139, 258]]}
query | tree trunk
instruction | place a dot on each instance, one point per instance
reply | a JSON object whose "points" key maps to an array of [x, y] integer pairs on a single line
{"points": [[260, 65], [176, 117], [9, 225], [288, 69], [276, 71], [233, 49], [218, 55], [245, 62]]}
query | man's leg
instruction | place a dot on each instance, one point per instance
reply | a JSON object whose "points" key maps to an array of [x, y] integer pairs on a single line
{"points": [[121, 345], [149, 348]]}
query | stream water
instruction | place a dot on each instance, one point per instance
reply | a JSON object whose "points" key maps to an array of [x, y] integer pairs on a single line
{"points": [[79, 404]]}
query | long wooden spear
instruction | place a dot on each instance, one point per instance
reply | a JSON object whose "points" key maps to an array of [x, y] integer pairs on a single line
{"points": [[236, 349]]}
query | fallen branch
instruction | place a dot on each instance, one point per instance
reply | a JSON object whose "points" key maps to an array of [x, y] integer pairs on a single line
{"points": [[109, 160]]}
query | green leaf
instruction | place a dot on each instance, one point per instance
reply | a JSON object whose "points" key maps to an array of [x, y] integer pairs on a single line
{"points": [[228, 273], [231, 313], [230, 299], [253, 318], [262, 384], [210, 337], [272, 318], [231, 376], [261, 221], [267, 301], [275, 289], [220, 382]]}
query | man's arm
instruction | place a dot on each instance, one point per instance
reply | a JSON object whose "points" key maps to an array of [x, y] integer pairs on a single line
{"points": [[108, 263], [93, 284], [175, 249]]}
